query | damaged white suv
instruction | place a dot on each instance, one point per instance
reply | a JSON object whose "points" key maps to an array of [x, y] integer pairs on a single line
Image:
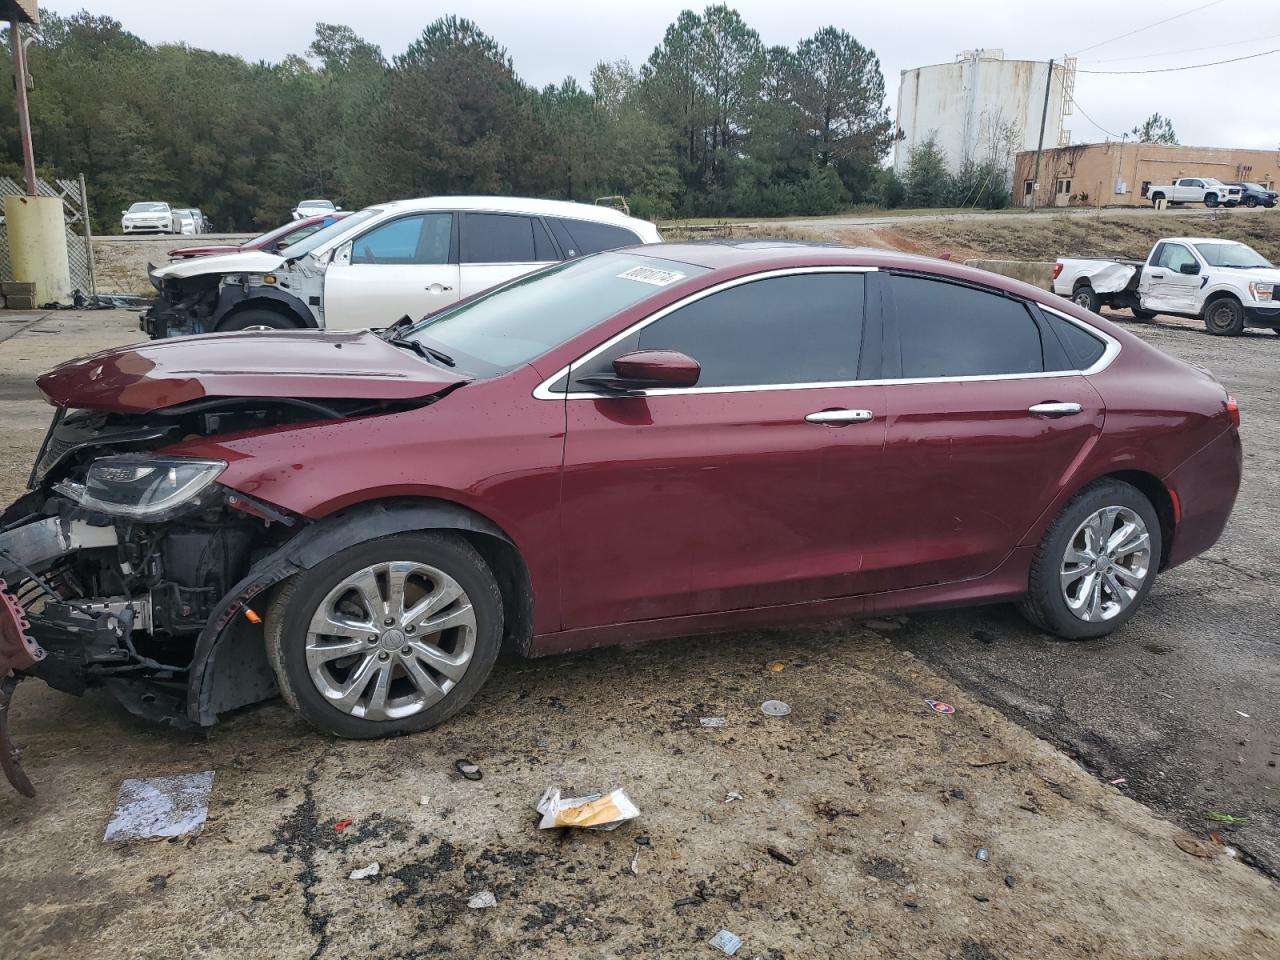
{"points": [[405, 258]]}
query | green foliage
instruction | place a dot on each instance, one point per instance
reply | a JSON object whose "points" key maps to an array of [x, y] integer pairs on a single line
{"points": [[927, 182], [1155, 129], [714, 123]]}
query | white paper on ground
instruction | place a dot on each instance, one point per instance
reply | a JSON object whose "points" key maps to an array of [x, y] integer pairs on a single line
{"points": [[160, 807]]}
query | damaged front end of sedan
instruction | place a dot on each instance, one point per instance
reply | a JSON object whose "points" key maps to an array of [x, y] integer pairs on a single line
{"points": [[128, 567]]}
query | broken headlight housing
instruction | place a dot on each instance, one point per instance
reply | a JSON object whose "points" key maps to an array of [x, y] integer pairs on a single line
{"points": [[142, 488]]}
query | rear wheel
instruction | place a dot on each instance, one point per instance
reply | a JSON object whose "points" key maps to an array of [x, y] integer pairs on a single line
{"points": [[1155, 197], [1224, 317], [1085, 296], [1096, 563], [257, 319], [386, 637]]}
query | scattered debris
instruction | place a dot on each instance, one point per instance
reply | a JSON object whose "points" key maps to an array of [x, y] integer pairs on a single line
{"points": [[160, 807], [423, 800], [341, 826], [1009, 881], [731, 796], [687, 902], [1194, 846], [1243, 714], [467, 769], [712, 721], [939, 841], [1118, 781], [830, 812], [987, 763], [364, 873], [980, 898], [642, 840], [726, 942], [1224, 817], [777, 666], [635, 862], [779, 856], [775, 708], [983, 854], [483, 900], [595, 812], [984, 636], [937, 706]]}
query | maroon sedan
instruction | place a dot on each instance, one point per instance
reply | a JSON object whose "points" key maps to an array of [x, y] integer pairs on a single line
{"points": [[273, 241], [667, 441]]}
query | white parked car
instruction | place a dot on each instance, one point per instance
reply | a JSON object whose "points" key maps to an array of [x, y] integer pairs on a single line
{"points": [[189, 224], [149, 216], [313, 208], [406, 258], [1206, 190], [1226, 284]]}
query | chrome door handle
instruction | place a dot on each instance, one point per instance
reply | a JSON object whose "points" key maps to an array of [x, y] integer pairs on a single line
{"points": [[1054, 409], [840, 417]]}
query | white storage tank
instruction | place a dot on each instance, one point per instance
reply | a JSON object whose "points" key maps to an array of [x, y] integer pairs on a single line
{"points": [[982, 103]]}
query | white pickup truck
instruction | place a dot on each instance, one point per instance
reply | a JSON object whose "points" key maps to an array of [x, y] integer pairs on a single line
{"points": [[1204, 190], [1226, 284]]}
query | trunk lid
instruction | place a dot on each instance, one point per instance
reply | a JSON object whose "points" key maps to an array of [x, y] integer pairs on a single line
{"points": [[355, 365]]}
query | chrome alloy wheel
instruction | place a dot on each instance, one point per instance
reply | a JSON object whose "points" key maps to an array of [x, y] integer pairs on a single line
{"points": [[391, 640], [1106, 563]]}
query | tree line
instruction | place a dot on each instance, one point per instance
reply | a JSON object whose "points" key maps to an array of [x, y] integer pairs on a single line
{"points": [[713, 123]]}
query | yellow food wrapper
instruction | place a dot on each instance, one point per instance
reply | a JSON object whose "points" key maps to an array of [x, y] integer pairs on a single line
{"points": [[598, 811]]}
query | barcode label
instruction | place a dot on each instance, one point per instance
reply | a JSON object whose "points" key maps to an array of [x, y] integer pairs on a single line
{"points": [[659, 278]]}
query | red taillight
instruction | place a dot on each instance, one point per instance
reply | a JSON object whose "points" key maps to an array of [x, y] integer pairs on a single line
{"points": [[1233, 410], [1057, 269]]}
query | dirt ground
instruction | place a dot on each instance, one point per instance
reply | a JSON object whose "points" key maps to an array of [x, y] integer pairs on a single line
{"points": [[873, 805], [121, 262]]}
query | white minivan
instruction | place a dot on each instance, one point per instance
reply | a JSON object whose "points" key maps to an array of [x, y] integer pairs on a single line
{"points": [[405, 258]]}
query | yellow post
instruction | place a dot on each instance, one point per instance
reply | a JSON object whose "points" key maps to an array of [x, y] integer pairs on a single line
{"points": [[38, 246]]}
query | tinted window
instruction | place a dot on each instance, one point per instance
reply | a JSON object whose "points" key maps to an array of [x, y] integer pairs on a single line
{"points": [[543, 249], [591, 237], [420, 239], [950, 330], [800, 329], [502, 238], [1083, 348]]}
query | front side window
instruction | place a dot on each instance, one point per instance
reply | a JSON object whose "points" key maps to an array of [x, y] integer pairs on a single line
{"points": [[504, 238], [799, 329], [1172, 256], [950, 330], [419, 239]]}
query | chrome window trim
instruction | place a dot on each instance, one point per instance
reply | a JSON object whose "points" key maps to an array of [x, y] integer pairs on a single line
{"points": [[543, 391]]}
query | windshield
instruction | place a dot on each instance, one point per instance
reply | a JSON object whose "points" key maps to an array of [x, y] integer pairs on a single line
{"points": [[331, 232], [1231, 255], [149, 208], [525, 318], [320, 204]]}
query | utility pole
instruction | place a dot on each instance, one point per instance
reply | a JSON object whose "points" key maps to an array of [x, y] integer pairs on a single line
{"points": [[20, 102], [1044, 116]]}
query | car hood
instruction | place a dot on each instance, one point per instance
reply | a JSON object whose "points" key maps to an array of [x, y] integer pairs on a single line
{"points": [[205, 251], [349, 365], [249, 261]]}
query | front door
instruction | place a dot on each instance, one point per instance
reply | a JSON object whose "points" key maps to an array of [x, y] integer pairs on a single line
{"points": [[1164, 286], [497, 247], [752, 488], [397, 268], [986, 420]]}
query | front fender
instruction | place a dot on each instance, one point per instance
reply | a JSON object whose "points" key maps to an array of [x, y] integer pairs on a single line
{"points": [[229, 668]]}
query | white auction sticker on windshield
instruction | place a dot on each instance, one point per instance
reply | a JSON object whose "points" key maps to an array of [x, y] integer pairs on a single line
{"points": [[659, 278]]}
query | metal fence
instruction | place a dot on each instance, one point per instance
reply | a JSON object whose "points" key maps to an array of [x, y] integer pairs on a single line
{"points": [[75, 209]]}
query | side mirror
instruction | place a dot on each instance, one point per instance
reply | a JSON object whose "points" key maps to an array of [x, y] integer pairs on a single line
{"points": [[1190, 269], [649, 369]]}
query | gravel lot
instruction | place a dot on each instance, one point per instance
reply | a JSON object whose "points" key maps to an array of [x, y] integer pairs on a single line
{"points": [[878, 803]]}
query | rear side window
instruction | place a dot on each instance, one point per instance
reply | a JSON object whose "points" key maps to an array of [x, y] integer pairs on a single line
{"points": [[784, 330], [504, 238], [1083, 348], [580, 237], [950, 330]]}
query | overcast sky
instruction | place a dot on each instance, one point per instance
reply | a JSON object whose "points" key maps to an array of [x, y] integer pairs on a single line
{"points": [[1230, 105]]}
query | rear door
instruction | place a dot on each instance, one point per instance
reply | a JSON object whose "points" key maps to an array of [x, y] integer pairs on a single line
{"points": [[751, 489], [987, 418], [398, 267], [496, 247]]}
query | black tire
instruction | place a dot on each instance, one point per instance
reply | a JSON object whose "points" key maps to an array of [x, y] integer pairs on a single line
{"points": [[258, 319], [1210, 199], [1085, 296], [1141, 314], [1250, 201], [1232, 203], [1045, 605], [1224, 317], [297, 599], [1155, 197]]}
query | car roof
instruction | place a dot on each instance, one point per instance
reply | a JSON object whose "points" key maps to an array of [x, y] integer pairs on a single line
{"points": [[1235, 243], [525, 205]]}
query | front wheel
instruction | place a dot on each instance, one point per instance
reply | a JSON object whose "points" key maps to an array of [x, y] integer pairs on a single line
{"points": [[1096, 563], [391, 636], [1211, 200], [254, 319], [1224, 317], [1087, 298], [1250, 201]]}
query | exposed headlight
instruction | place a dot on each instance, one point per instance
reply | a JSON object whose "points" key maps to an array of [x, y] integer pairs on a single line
{"points": [[1262, 291], [144, 488]]}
